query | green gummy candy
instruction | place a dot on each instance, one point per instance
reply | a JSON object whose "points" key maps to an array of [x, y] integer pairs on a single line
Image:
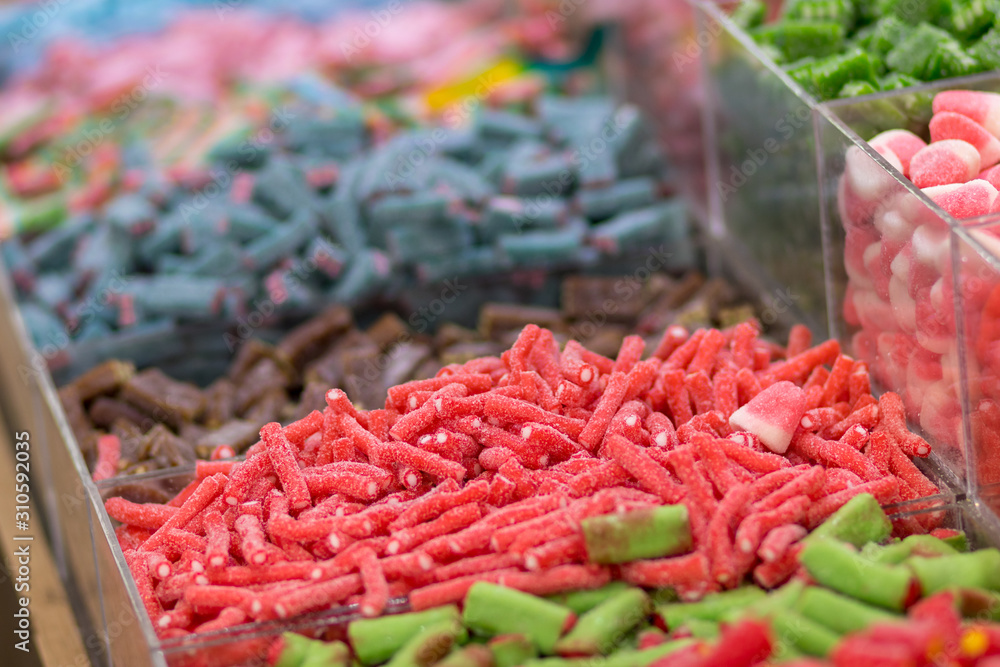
{"points": [[511, 650], [713, 607], [783, 598], [603, 628], [804, 634], [835, 565], [959, 542], [429, 645], [914, 11], [642, 533], [495, 610], [327, 654], [295, 649], [375, 640], [702, 629], [838, 613], [623, 658], [976, 569], [856, 89], [749, 14], [972, 18], [831, 74], [987, 50], [859, 521], [841, 12], [886, 34], [950, 60], [914, 545], [580, 602], [473, 655], [799, 39], [897, 81], [915, 55]]}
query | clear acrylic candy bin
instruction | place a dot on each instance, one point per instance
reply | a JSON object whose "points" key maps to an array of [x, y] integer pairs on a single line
{"points": [[800, 201]]}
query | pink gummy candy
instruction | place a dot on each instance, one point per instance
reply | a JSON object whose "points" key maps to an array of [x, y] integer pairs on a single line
{"points": [[944, 162], [772, 415], [950, 125], [991, 176], [970, 200], [903, 143], [984, 108]]}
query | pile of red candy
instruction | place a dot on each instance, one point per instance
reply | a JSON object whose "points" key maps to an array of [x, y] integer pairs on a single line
{"points": [[486, 471]]}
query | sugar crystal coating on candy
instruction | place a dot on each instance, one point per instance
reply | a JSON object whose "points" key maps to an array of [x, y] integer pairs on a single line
{"points": [[981, 107], [903, 143], [949, 125], [945, 162], [969, 200], [772, 415]]}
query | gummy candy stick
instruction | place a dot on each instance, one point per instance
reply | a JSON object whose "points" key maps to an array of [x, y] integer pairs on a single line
{"points": [[701, 392], [799, 366], [148, 515], [282, 455], [892, 417], [451, 521], [644, 533], [376, 595], [317, 596], [473, 655], [511, 650], [476, 565], [752, 529], [777, 541], [629, 354], [914, 545], [678, 399], [661, 430], [252, 541], [607, 406], [108, 455], [601, 630], [859, 521], [976, 569], [429, 645], [494, 610], [650, 475], [204, 599], [834, 454], [244, 476], [835, 565], [139, 568], [838, 613], [206, 492], [885, 490], [804, 634], [560, 551], [713, 607], [808, 483], [580, 602], [691, 569], [673, 337], [754, 461], [681, 357], [433, 505]]}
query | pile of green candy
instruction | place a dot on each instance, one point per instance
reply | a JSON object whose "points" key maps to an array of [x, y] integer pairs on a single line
{"points": [[847, 48]]}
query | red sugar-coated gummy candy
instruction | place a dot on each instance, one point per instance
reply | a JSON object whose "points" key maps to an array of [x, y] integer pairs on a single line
{"points": [[903, 143], [650, 475], [673, 337], [560, 551], [376, 595], [772, 415], [884, 489], [753, 528], [778, 540], [945, 162], [983, 108], [744, 644], [453, 590], [692, 568], [149, 515], [991, 176], [951, 125], [969, 200], [109, 449]]}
